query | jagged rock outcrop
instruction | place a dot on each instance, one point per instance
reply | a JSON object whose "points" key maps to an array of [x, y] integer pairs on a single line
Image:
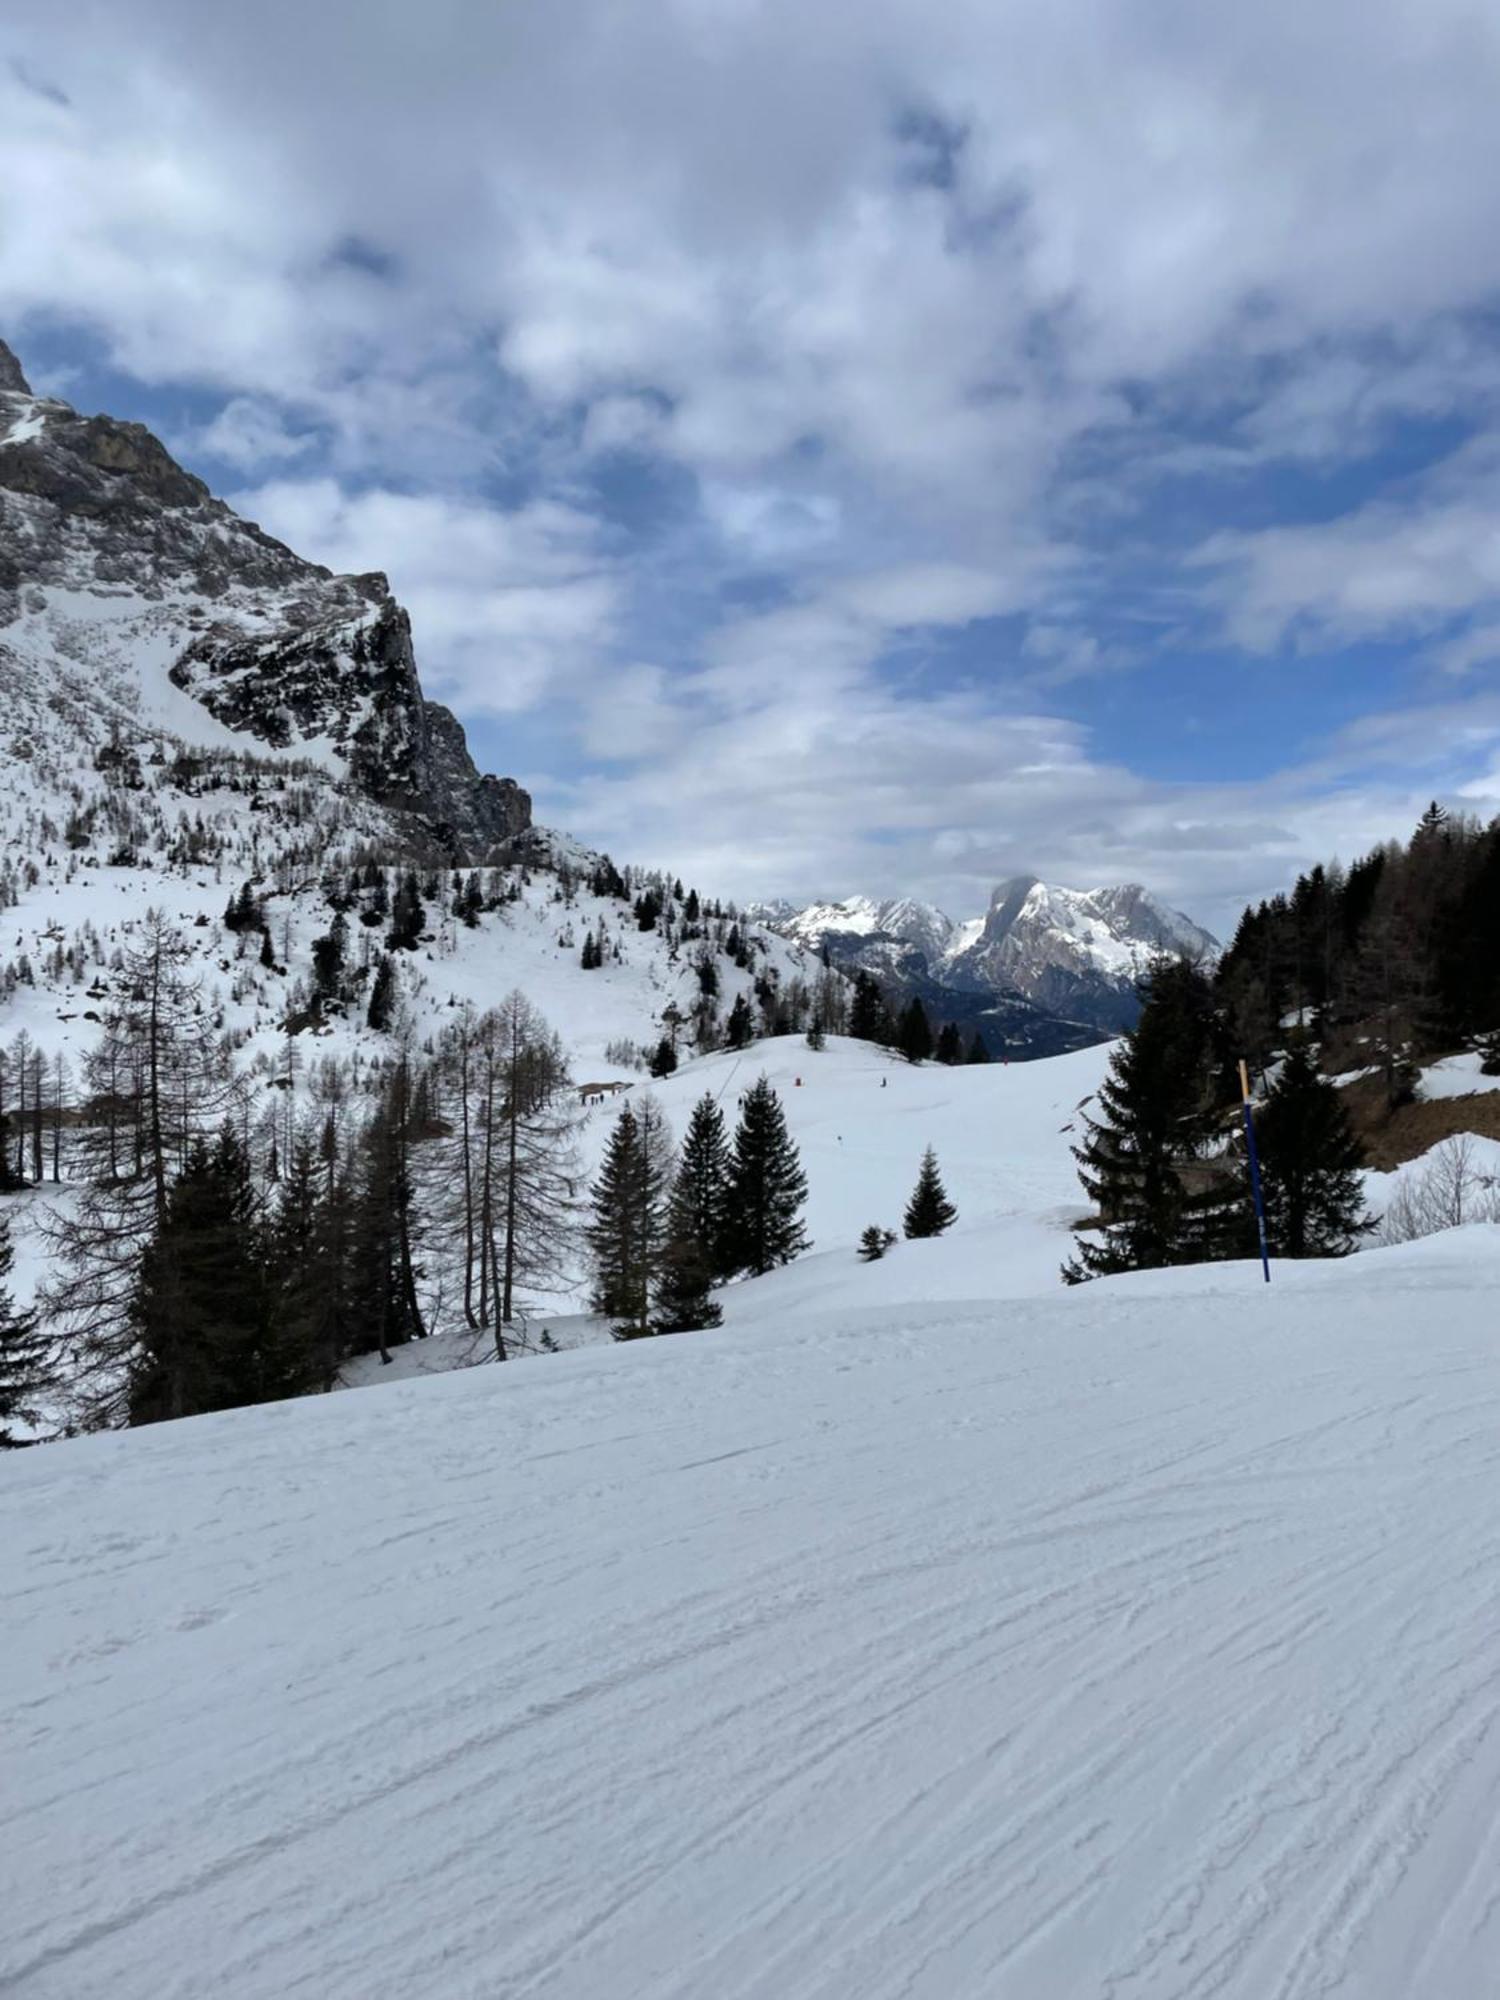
{"points": [[130, 594], [12, 380]]}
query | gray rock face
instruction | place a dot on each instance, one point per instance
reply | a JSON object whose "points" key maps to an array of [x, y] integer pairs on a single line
{"points": [[124, 579], [11, 377]]}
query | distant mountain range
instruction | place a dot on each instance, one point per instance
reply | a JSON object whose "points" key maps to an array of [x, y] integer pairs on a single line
{"points": [[1074, 955]]}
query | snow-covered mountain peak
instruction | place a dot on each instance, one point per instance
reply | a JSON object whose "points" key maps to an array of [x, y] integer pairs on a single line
{"points": [[1078, 953], [903, 919]]}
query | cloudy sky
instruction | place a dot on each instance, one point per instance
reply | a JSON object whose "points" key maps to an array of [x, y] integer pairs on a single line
{"points": [[860, 447]]}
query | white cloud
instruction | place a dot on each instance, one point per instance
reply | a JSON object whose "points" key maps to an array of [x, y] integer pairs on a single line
{"points": [[622, 423], [1390, 569], [248, 434]]}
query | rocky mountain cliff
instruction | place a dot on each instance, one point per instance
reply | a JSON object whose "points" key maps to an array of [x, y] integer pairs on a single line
{"points": [[131, 600]]}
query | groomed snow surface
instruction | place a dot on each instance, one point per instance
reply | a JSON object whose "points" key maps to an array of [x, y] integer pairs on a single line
{"points": [[1131, 1641]]}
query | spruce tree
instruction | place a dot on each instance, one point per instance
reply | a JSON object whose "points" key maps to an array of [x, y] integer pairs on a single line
{"points": [[767, 1187], [868, 1021], [1310, 1165], [201, 1301], [929, 1212], [382, 1009], [1158, 1114], [978, 1052], [694, 1257], [914, 1036], [26, 1371], [874, 1242], [663, 1058], [407, 914], [739, 1030], [328, 958], [628, 1231], [950, 1044], [301, 1349]]}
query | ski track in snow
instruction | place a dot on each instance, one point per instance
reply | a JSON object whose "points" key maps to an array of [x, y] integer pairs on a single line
{"points": [[1139, 1641]]}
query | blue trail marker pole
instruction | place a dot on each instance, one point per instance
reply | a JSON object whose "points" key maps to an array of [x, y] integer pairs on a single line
{"points": [[1260, 1205]]}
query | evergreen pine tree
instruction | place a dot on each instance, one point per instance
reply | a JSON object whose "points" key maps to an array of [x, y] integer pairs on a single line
{"points": [[978, 1052], [1157, 1116], [407, 914], [929, 1212], [26, 1370], [628, 1231], [663, 1058], [382, 1008], [815, 1036], [739, 1030], [383, 1273], [868, 1021], [950, 1044], [767, 1187], [267, 951], [201, 1301], [874, 1242], [244, 912], [328, 958], [694, 1257], [301, 1350], [1310, 1165], [914, 1036]]}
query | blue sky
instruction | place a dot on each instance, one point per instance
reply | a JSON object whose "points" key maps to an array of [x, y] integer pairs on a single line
{"points": [[839, 449]]}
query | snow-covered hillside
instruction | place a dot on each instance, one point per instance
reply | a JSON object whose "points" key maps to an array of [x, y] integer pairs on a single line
{"points": [[1135, 1640], [532, 942], [860, 1119]]}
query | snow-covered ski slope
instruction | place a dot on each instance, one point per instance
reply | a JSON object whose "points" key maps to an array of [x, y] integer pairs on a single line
{"points": [[1136, 1641], [860, 1118]]}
